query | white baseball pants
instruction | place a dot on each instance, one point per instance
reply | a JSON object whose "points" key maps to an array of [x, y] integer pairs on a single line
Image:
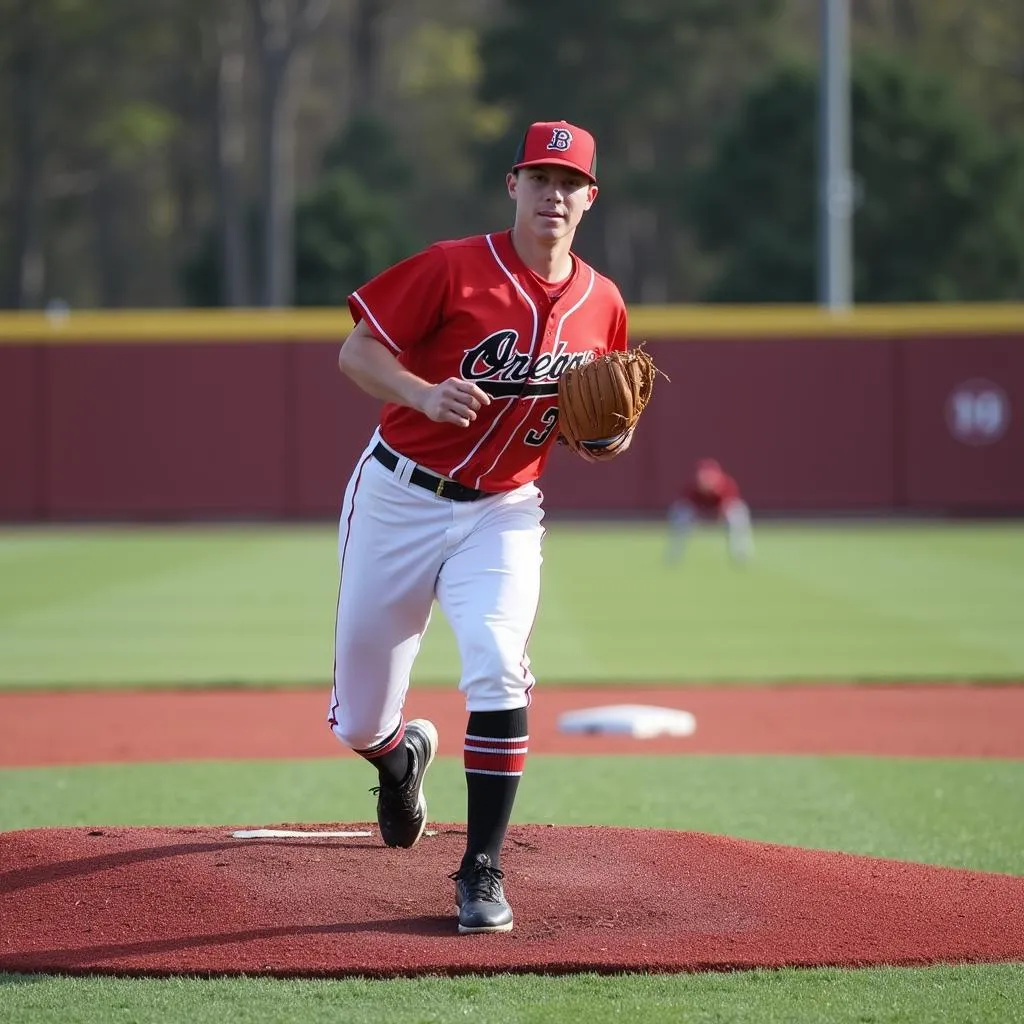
{"points": [[400, 547]]}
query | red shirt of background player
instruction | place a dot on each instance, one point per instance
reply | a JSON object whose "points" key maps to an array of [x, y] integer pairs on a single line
{"points": [[712, 488], [471, 308]]}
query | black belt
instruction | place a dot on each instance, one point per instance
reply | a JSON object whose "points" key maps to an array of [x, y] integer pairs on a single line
{"points": [[431, 481]]}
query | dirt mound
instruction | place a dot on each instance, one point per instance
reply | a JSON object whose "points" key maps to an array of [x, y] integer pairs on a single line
{"points": [[163, 901]]}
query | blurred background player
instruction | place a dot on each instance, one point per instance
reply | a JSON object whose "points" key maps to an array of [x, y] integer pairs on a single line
{"points": [[710, 494]]}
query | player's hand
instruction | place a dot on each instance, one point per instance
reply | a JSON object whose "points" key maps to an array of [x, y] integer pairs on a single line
{"points": [[454, 401]]}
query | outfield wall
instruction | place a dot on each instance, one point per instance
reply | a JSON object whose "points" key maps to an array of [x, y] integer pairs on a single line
{"points": [[184, 415]]}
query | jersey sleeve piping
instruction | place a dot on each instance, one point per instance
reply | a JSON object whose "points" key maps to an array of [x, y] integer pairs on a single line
{"points": [[378, 329]]}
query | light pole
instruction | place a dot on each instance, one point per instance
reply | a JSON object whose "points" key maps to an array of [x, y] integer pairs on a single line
{"points": [[835, 180]]}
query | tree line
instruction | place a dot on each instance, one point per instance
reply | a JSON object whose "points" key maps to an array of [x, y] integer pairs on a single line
{"points": [[279, 152]]}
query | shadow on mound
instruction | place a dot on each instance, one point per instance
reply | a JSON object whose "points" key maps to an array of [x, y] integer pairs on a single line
{"points": [[162, 901]]}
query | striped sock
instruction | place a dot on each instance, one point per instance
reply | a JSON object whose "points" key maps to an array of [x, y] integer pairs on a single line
{"points": [[390, 757], [494, 757]]}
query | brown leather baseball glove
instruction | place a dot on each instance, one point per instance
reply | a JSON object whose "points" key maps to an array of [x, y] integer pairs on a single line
{"points": [[601, 401]]}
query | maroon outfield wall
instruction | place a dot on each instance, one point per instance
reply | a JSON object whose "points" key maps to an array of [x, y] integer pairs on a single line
{"points": [[187, 418]]}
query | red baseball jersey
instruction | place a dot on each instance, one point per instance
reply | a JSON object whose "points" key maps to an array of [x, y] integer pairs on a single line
{"points": [[714, 498], [471, 308]]}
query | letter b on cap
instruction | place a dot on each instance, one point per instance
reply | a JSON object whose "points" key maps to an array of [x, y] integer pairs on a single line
{"points": [[561, 140]]}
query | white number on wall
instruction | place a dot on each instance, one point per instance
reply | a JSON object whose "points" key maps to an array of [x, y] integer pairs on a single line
{"points": [[978, 412]]}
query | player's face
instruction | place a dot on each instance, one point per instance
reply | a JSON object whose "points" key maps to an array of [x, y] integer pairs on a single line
{"points": [[550, 200]]}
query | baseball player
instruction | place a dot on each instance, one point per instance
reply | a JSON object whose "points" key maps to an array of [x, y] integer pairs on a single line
{"points": [[712, 494], [464, 342]]}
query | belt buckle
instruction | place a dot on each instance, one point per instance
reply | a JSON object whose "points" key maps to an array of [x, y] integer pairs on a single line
{"points": [[440, 487]]}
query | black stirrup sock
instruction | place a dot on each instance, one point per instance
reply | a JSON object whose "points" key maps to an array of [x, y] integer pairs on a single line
{"points": [[494, 756], [390, 757]]}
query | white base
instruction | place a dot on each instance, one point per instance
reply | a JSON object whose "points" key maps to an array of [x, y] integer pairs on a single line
{"points": [[642, 721]]}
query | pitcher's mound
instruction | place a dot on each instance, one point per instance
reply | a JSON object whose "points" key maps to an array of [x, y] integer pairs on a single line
{"points": [[159, 901]]}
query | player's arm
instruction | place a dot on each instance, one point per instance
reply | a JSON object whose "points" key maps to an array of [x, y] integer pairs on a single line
{"points": [[367, 361]]}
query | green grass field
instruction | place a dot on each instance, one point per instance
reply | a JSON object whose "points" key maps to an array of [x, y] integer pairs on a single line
{"points": [[255, 605]]}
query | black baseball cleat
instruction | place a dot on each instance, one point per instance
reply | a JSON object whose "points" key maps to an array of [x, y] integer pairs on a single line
{"points": [[480, 898], [402, 809]]}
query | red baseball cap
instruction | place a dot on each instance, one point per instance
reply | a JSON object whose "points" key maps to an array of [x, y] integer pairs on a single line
{"points": [[561, 143]]}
